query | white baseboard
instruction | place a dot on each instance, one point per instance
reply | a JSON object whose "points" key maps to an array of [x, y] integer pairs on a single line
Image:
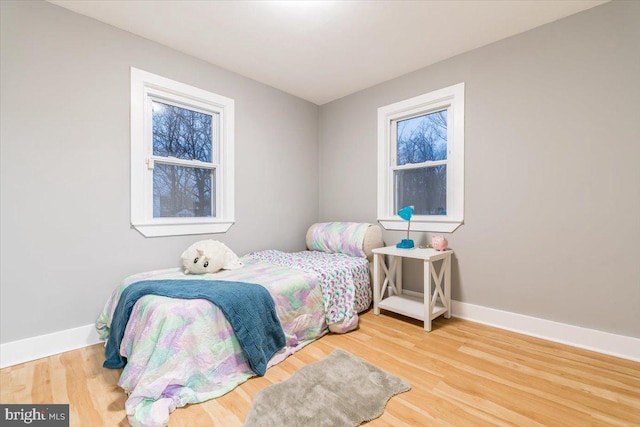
{"points": [[26, 350], [29, 349], [576, 336]]}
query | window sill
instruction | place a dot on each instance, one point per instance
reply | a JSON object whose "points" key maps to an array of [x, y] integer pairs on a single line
{"points": [[442, 226], [159, 230]]}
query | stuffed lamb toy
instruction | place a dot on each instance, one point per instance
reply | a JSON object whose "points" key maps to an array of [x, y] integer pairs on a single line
{"points": [[209, 256]]}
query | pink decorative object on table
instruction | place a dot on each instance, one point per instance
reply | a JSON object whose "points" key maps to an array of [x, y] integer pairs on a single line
{"points": [[439, 243]]}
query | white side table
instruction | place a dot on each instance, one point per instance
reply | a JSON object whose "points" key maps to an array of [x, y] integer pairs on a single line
{"points": [[433, 302]]}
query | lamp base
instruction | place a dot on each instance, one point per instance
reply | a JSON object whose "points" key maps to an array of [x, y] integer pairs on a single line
{"points": [[405, 244]]}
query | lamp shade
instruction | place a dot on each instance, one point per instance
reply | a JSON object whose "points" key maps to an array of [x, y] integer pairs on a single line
{"points": [[406, 213]]}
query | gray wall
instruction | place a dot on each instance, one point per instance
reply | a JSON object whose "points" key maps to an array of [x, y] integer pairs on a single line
{"points": [[66, 240], [552, 206]]}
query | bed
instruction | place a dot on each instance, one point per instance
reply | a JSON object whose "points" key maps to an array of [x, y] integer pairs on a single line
{"points": [[184, 351]]}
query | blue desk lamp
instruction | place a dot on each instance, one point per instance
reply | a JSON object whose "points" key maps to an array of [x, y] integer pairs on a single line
{"points": [[406, 213]]}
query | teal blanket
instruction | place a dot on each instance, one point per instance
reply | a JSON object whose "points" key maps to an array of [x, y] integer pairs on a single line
{"points": [[248, 307]]}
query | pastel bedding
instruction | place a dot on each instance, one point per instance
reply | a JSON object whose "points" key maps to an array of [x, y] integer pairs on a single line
{"points": [[339, 237], [248, 308], [184, 351]]}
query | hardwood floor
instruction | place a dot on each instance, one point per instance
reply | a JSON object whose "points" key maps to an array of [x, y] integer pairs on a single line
{"points": [[462, 374]]}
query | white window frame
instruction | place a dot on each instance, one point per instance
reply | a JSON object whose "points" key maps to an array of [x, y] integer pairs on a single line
{"points": [[452, 99], [146, 87]]}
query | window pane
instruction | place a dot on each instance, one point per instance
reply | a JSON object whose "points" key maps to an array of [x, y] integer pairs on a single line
{"points": [[183, 191], [181, 133], [424, 188], [422, 138]]}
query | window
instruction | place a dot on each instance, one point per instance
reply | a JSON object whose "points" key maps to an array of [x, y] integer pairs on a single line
{"points": [[421, 161], [181, 158]]}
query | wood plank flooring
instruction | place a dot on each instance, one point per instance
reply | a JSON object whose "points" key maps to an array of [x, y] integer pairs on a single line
{"points": [[462, 374]]}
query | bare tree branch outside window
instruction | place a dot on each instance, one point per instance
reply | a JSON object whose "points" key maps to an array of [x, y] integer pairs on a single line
{"points": [[182, 190], [422, 139]]}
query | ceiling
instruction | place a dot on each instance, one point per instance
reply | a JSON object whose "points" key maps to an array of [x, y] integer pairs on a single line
{"points": [[324, 50]]}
